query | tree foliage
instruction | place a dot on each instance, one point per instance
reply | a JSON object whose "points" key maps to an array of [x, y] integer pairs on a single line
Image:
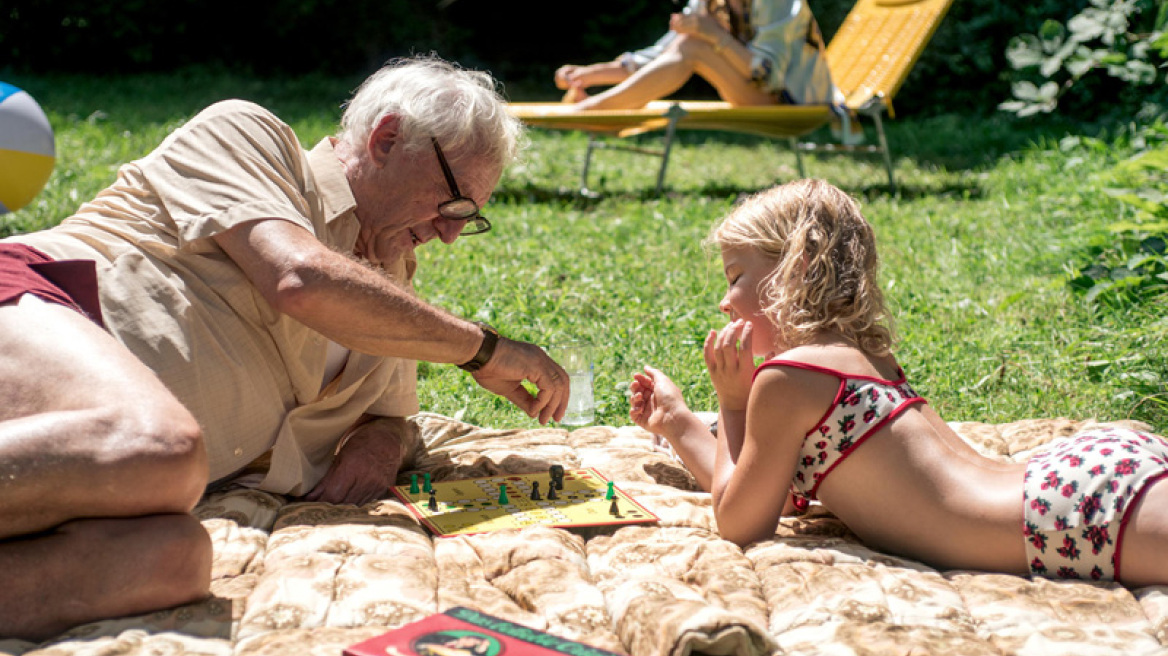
{"points": [[521, 41], [1123, 39]]}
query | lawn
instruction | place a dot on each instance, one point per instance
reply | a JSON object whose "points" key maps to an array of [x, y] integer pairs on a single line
{"points": [[976, 244]]}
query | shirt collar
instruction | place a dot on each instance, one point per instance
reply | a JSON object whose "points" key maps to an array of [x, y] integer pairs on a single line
{"points": [[333, 186]]}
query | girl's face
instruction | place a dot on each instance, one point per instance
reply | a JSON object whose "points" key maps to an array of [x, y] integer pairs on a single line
{"points": [[745, 269]]}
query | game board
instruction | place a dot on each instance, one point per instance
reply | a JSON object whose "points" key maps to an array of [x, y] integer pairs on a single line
{"points": [[473, 505]]}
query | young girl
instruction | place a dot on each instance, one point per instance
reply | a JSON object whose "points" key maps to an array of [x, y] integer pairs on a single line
{"points": [[829, 415]]}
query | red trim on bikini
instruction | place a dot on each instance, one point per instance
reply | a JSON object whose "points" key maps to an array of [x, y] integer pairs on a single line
{"points": [[813, 493], [1127, 514], [843, 378]]}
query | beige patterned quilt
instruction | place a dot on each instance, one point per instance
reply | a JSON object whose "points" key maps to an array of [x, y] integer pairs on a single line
{"points": [[311, 578]]}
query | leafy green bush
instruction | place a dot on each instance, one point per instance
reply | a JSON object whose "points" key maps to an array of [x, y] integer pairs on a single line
{"points": [[1109, 36], [1128, 262]]}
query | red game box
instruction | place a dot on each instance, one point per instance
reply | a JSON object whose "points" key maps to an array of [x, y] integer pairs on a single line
{"points": [[461, 631]]}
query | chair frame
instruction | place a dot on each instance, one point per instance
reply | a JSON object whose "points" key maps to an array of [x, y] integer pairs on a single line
{"points": [[873, 110]]}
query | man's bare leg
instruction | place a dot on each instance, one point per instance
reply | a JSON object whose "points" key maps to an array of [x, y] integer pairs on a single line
{"points": [[99, 468]]}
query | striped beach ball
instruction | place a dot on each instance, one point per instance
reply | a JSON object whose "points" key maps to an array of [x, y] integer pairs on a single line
{"points": [[27, 153]]}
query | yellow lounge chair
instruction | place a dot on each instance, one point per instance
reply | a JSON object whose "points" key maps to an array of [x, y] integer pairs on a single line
{"points": [[870, 56]]}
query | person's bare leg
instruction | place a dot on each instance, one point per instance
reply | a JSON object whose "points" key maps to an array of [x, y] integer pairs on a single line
{"points": [[571, 76], [99, 468], [661, 77], [1144, 552], [90, 569]]}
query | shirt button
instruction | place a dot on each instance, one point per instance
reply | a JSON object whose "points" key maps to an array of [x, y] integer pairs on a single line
{"points": [[238, 452]]}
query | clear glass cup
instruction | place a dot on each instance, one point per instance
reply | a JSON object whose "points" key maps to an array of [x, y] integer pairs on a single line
{"points": [[576, 359]]}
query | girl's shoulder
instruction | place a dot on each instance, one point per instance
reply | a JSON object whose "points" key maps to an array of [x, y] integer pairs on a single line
{"points": [[835, 360]]}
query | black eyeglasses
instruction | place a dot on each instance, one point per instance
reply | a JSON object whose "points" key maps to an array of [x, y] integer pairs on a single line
{"points": [[459, 207]]}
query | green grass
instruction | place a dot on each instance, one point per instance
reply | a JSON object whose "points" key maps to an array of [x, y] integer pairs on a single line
{"points": [[975, 244]]}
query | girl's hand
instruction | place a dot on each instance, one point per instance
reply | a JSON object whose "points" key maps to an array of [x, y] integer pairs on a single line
{"points": [[729, 355], [657, 405]]}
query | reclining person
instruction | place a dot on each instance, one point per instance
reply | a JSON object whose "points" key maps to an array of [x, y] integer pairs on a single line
{"points": [[233, 297]]}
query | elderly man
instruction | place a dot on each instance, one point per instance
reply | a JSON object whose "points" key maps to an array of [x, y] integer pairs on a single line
{"points": [[232, 298]]}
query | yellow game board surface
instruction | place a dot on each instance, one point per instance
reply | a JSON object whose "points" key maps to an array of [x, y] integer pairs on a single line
{"points": [[473, 505]]}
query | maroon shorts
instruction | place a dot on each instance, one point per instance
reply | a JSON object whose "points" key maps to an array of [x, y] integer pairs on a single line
{"points": [[72, 283]]}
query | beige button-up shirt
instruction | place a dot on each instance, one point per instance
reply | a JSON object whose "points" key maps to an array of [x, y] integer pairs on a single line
{"points": [[251, 376]]}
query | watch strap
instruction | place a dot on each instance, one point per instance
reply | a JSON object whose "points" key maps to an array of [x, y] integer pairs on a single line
{"points": [[486, 349]]}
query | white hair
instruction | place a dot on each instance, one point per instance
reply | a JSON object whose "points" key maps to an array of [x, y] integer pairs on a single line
{"points": [[461, 108]]}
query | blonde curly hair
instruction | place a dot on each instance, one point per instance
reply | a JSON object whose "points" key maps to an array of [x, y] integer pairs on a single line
{"points": [[825, 275]]}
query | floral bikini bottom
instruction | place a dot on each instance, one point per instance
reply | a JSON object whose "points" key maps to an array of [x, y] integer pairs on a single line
{"points": [[1078, 494]]}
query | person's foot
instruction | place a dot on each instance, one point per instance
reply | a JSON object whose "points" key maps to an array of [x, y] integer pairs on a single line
{"points": [[662, 445], [853, 137], [563, 75], [575, 95]]}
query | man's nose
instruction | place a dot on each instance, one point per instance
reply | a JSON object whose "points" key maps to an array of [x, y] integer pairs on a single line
{"points": [[448, 229]]}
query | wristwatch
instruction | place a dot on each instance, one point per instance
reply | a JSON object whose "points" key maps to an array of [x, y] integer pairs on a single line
{"points": [[486, 349]]}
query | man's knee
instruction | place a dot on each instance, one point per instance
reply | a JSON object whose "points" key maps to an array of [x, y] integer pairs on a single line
{"points": [[166, 452]]}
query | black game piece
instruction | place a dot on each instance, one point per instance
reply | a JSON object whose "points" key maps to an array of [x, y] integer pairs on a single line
{"points": [[614, 509], [535, 490], [551, 495], [556, 472], [433, 503]]}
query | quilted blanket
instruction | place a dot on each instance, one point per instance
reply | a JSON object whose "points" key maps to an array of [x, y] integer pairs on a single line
{"points": [[292, 577]]}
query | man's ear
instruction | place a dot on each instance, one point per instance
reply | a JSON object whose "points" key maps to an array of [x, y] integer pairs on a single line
{"points": [[383, 137]]}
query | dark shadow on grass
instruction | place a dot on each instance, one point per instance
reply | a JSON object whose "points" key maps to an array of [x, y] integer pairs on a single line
{"points": [[946, 142], [586, 199]]}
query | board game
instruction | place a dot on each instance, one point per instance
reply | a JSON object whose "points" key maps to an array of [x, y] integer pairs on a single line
{"points": [[583, 497]]}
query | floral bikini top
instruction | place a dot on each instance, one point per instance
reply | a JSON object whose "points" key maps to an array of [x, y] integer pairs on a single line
{"points": [[862, 406]]}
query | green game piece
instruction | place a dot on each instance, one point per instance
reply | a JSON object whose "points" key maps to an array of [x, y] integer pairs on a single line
{"points": [[426, 487], [611, 494], [413, 483], [503, 500]]}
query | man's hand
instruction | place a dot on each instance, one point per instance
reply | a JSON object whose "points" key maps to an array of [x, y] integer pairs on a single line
{"points": [[515, 362], [367, 464]]}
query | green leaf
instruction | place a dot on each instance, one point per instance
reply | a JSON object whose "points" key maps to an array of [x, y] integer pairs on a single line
{"points": [[1024, 51], [1033, 108], [1139, 261], [1052, 34], [1025, 90], [1096, 290], [1081, 283], [1159, 41], [1155, 244], [1012, 105], [1110, 58], [1132, 226], [1079, 67], [1086, 26], [1097, 272]]}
